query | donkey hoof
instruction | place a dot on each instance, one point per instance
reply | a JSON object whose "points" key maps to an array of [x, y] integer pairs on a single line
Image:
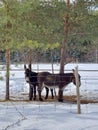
{"points": [[30, 99], [40, 99], [60, 100], [34, 99]]}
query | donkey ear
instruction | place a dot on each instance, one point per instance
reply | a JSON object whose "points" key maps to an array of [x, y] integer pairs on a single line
{"points": [[24, 66], [29, 66]]}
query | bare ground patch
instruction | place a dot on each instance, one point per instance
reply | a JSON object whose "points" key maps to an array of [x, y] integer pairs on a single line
{"points": [[70, 99]]}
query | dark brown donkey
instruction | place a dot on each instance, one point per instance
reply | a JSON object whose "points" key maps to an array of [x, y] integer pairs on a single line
{"points": [[55, 81], [31, 78]]}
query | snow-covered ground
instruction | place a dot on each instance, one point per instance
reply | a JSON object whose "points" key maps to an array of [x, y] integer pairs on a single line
{"points": [[19, 88], [36, 115]]}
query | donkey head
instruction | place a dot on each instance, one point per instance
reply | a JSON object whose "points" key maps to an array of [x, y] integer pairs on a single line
{"points": [[27, 72]]}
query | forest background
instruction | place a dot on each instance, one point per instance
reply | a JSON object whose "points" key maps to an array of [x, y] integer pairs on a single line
{"points": [[47, 31], [36, 29]]}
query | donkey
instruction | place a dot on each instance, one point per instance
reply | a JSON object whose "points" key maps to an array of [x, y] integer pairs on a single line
{"points": [[31, 78], [55, 81]]}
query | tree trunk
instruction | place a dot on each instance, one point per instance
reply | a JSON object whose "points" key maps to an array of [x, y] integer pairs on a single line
{"points": [[62, 57], [64, 44], [7, 73]]}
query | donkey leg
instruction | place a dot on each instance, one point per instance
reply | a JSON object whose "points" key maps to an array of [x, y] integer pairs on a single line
{"points": [[34, 93], [52, 93], [60, 99], [30, 92], [39, 93], [47, 92]]}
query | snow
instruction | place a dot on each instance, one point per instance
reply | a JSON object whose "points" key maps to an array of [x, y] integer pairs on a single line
{"points": [[36, 115]]}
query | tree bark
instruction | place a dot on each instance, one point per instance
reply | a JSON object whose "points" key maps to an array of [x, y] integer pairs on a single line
{"points": [[7, 72], [62, 61], [64, 44]]}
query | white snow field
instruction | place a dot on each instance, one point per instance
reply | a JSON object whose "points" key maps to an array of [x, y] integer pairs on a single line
{"points": [[35, 115]]}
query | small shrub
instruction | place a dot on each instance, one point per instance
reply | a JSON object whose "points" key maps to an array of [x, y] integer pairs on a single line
{"points": [[1, 78]]}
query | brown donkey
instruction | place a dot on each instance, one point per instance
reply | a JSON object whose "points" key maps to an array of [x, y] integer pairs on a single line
{"points": [[60, 81]]}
